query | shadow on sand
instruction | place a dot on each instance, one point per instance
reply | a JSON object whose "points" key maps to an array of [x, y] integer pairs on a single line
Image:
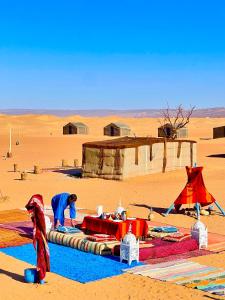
{"points": [[74, 172], [14, 276], [217, 155], [159, 210]]}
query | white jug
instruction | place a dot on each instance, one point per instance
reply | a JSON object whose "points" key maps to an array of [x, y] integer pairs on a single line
{"points": [[99, 210], [48, 224]]}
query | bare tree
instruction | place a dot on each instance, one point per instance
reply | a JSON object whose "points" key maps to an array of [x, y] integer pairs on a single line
{"points": [[176, 119]]}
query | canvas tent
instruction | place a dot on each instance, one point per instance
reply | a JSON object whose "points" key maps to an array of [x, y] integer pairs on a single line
{"points": [[117, 129], [219, 132], [194, 192], [166, 130], [75, 128], [128, 156]]}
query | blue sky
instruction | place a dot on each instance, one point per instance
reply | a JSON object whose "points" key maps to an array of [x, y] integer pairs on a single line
{"points": [[112, 54]]}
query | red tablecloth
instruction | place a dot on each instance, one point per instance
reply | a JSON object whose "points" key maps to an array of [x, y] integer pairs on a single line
{"points": [[118, 229]]}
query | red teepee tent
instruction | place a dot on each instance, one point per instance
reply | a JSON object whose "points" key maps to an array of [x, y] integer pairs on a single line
{"points": [[195, 190]]}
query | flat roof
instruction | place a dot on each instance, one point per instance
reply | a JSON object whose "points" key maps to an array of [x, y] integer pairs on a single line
{"points": [[130, 142]]}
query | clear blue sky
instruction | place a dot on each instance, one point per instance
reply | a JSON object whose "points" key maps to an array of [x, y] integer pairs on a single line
{"points": [[112, 54]]}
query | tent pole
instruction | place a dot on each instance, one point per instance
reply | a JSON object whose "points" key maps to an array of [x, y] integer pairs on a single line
{"points": [[220, 208], [168, 210]]}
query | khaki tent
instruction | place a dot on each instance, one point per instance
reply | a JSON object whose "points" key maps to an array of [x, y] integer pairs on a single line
{"points": [[128, 156], [75, 128], [167, 131], [117, 129], [219, 132]]}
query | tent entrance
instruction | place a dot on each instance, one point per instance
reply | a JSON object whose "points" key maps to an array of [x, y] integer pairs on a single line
{"points": [[70, 129], [112, 131]]}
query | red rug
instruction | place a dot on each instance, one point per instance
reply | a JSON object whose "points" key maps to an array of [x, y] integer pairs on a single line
{"points": [[216, 242], [190, 254], [158, 249]]}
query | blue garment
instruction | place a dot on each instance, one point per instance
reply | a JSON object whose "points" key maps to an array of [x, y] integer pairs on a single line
{"points": [[59, 204]]}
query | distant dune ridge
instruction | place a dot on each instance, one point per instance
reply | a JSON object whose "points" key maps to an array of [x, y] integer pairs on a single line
{"points": [[214, 112]]}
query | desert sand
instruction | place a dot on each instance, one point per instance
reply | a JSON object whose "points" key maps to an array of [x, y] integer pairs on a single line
{"points": [[41, 143]]}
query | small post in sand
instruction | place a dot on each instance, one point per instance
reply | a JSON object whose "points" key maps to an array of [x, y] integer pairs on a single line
{"points": [[37, 169], [76, 163], [64, 163], [15, 167], [23, 175], [9, 153]]}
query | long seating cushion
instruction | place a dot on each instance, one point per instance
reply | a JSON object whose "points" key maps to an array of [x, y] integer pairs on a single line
{"points": [[79, 242]]}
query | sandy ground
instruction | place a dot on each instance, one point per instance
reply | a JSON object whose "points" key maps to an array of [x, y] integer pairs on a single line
{"points": [[42, 143]]}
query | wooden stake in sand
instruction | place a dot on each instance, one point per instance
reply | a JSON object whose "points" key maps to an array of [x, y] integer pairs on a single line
{"points": [[9, 153], [23, 175], [76, 163], [64, 163], [15, 167], [37, 170], [3, 198]]}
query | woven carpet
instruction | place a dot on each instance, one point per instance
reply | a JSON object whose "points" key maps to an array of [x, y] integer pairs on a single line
{"points": [[24, 227], [15, 228], [10, 238], [185, 272], [71, 263], [189, 254], [158, 249], [13, 215], [216, 242]]}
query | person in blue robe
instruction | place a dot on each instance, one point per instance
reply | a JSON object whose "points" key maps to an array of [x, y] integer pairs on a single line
{"points": [[59, 203]]}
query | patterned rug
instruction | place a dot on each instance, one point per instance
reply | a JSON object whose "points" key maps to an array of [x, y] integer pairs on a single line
{"points": [[14, 215], [24, 227], [216, 242], [15, 228], [13, 238], [189, 254], [187, 273]]}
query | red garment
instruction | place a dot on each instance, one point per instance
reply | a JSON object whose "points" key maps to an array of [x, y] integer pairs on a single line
{"points": [[195, 190], [35, 207]]}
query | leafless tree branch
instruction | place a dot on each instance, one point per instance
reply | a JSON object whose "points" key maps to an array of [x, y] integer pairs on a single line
{"points": [[179, 120]]}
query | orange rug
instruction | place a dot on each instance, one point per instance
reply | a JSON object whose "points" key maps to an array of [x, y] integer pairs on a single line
{"points": [[11, 238], [13, 215]]}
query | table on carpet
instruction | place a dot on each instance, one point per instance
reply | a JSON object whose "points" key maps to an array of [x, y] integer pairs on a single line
{"points": [[118, 229]]}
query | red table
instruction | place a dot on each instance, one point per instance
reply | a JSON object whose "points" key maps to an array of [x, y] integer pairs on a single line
{"points": [[118, 229]]}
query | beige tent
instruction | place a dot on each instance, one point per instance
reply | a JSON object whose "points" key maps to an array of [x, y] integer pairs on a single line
{"points": [[75, 128], [166, 130], [128, 156], [219, 132], [117, 129]]}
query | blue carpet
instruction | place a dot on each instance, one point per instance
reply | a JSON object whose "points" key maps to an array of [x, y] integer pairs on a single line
{"points": [[71, 263]]}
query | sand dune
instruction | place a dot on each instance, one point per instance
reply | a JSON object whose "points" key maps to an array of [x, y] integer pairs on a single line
{"points": [[42, 143]]}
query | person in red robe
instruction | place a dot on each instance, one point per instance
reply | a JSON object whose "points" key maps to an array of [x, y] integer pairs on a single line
{"points": [[35, 207]]}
